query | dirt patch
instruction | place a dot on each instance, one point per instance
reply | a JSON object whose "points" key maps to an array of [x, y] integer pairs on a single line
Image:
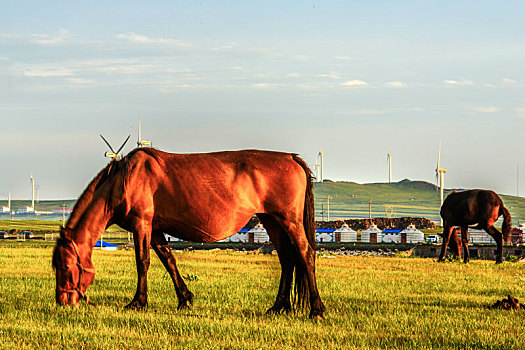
{"points": [[510, 303]]}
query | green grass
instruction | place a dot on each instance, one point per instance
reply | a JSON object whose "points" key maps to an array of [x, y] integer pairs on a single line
{"points": [[371, 303]]}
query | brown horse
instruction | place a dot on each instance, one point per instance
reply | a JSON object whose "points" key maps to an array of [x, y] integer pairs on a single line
{"points": [[481, 207], [196, 197]]}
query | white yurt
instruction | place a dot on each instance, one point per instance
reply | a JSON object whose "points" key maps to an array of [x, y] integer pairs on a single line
{"points": [[239, 237], [259, 234], [413, 235], [371, 232], [345, 234]]}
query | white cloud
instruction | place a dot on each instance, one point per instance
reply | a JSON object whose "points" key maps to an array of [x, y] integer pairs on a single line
{"points": [[142, 39], [41, 39], [354, 83], [508, 81], [484, 109], [347, 58], [48, 72], [396, 84], [80, 81], [459, 82], [331, 75], [266, 85], [293, 75], [227, 47]]}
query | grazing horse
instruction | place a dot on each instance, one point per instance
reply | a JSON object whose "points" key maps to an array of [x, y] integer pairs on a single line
{"points": [[196, 197], [481, 207]]}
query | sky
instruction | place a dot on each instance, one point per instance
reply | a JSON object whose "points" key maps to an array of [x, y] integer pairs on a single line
{"points": [[357, 79]]}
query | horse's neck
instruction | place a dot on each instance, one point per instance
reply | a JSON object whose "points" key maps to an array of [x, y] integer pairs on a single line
{"points": [[90, 225]]}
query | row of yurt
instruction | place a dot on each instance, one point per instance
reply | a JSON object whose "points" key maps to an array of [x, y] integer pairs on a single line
{"points": [[409, 235]]}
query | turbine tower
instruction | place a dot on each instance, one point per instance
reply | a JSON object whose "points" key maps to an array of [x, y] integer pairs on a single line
{"points": [[320, 157], [440, 172], [32, 179], [389, 155], [316, 170], [140, 141]]}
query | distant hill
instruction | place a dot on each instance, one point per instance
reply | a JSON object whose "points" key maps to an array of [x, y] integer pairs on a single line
{"points": [[397, 199], [350, 200]]}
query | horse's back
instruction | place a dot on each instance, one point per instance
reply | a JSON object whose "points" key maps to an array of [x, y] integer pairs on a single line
{"points": [[469, 207]]}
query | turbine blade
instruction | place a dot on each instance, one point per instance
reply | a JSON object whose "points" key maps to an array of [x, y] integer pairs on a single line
{"points": [[121, 147], [439, 155], [107, 143]]}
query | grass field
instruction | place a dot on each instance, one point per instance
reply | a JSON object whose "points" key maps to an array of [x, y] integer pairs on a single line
{"points": [[371, 303]]}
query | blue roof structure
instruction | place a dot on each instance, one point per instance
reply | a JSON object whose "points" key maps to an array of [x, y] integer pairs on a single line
{"points": [[389, 230], [325, 230], [244, 230], [103, 244]]}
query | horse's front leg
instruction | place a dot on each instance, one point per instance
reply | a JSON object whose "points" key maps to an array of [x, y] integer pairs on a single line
{"points": [[142, 240], [464, 241], [161, 247], [447, 232]]}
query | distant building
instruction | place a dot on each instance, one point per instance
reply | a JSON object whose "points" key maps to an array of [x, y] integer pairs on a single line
{"points": [[412, 235], [370, 234], [345, 234], [5, 209], [25, 210]]}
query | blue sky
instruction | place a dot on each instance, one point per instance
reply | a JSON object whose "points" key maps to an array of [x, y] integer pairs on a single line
{"points": [[357, 79]]}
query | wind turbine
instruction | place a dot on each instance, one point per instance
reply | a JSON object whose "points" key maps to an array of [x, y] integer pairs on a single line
{"points": [[389, 156], [140, 141], [32, 179], [113, 155], [316, 170], [320, 157], [440, 172]]}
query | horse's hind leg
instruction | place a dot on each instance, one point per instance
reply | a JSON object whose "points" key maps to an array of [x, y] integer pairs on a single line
{"points": [[288, 260], [306, 261], [464, 241], [161, 247], [447, 232], [498, 237]]}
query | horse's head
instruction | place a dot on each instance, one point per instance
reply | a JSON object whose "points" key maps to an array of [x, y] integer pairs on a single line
{"points": [[72, 275]]}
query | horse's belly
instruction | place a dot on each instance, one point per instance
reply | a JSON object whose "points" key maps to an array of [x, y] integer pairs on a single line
{"points": [[196, 234]]}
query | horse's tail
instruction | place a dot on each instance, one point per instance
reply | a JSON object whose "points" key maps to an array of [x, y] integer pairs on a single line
{"points": [[301, 282], [505, 228]]}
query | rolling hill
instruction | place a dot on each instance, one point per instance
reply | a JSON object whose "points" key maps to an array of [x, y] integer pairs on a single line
{"points": [[397, 199], [350, 200]]}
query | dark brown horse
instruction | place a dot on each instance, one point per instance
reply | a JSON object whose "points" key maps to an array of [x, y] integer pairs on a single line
{"points": [[466, 208], [196, 197]]}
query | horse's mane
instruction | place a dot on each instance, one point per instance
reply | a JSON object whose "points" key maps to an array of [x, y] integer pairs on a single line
{"points": [[109, 171]]}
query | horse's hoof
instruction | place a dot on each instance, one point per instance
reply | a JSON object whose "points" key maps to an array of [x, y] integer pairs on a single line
{"points": [[137, 305], [316, 315], [499, 262], [184, 305]]}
